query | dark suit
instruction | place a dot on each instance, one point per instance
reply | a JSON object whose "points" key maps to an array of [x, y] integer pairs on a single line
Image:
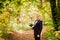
{"points": [[37, 29]]}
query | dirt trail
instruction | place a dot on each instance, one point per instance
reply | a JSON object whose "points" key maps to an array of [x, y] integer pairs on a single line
{"points": [[24, 35]]}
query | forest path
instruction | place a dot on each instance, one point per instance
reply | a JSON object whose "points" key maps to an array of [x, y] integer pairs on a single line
{"points": [[24, 35]]}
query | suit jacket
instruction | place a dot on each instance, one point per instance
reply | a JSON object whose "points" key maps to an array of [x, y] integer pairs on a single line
{"points": [[37, 27]]}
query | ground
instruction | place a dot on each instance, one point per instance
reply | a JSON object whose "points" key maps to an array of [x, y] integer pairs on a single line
{"points": [[24, 35]]}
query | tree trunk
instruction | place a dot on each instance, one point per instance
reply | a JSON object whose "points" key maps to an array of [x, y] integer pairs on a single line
{"points": [[54, 13], [58, 3]]}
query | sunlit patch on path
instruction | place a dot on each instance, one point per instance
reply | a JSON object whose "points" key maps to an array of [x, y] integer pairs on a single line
{"points": [[20, 31]]}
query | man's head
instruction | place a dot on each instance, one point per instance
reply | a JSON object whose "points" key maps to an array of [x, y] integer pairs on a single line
{"points": [[38, 16]]}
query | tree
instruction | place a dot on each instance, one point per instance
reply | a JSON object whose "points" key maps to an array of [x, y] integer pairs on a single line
{"points": [[58, 3], [55, 14]]}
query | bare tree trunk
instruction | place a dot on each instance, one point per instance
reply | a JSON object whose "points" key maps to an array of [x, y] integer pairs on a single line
{"points": [[54, 14], [59, 8], [58, 3]]}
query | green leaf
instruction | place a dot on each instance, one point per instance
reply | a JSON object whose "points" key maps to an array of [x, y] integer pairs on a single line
{"points": [[32, 1]]}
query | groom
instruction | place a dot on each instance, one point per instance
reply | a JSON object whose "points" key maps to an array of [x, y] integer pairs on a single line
{"points": [[37, 28]]}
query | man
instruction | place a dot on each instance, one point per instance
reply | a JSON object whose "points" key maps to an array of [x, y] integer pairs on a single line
{"points": [[37, 28]]}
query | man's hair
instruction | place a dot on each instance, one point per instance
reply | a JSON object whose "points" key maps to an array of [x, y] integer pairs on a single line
{"points": [[37, 15]]}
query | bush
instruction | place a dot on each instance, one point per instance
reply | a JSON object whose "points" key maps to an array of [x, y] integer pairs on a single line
{"points": [[50, 34]]}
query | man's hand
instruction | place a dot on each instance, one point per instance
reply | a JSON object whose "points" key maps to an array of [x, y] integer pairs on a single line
{"points": [[30, 25], [38, 35]]}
